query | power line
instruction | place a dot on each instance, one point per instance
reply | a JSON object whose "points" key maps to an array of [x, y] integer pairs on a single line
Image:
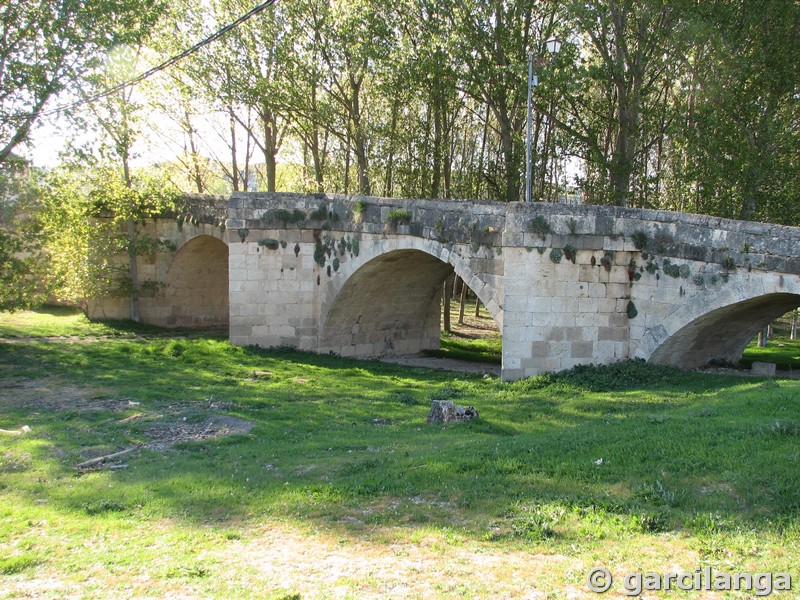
{"points": [[164, 65]]}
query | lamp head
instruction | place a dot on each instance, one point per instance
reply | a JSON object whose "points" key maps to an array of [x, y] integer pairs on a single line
{"points": [[553, 45]]}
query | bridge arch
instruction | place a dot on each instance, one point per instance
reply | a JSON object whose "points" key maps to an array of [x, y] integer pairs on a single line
{"points": [[195, 289], [705, 330], [388, 300]]}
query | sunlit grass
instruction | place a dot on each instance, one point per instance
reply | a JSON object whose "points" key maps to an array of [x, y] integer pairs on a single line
{"points": [[631, 466], [780, 350]]}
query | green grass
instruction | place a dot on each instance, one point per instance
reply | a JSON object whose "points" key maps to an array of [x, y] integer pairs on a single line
{"points": [[487, 350], [631, 466], [780, 350], [64, 321]]}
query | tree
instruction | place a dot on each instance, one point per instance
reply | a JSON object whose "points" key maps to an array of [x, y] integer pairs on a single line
{"points": [[741, 144], [627, 50], [20, 269], [83, 219], [47, 46]]}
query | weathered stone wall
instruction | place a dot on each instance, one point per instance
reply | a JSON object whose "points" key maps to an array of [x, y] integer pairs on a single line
{"points": [[568, 284], [668, 287], [184, 283], [347, 278]]}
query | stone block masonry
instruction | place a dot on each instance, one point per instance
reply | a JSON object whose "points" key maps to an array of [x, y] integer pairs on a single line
{"points": [[567, 285]]}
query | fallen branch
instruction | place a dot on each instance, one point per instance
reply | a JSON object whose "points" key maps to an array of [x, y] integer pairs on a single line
{"points": [[101, 459], [23, 429]]}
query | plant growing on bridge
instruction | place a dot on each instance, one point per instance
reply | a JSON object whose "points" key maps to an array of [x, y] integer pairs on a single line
{"points": [[320, 214], [556, 254], [149, 246], [640, 240], [570, 252], [398, 216], [359, 208], [285, 217], [572, 224], [630, 310], [540, 226], [728, 263], [270, 243], [607, 260]]}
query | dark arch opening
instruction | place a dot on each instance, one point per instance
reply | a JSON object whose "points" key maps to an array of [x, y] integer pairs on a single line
{"points": [[389, 306], [722, 334], [196, 292]]}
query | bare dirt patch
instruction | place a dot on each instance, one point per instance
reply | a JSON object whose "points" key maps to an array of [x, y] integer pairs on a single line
{"points": [[163, 427], [168, 432]]}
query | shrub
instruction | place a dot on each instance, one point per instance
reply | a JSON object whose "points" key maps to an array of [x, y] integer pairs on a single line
{"points": [[269, 243], [540, 226], [397, 216], [640, 240]]}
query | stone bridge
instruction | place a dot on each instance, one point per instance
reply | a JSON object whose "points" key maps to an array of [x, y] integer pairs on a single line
{"points": [[567, 285]]}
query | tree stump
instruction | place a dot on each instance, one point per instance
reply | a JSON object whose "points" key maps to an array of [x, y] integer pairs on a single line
{"points": [[442, 411]]}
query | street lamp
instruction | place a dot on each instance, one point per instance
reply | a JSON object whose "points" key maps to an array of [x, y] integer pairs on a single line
{"points": [[553, 45]]}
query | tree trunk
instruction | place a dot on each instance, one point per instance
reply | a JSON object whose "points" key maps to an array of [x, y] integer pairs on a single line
{"points": [[347, 164], [389, 185], [477, 306], [463, 303], [512, 174], [196, 174], [359, 140], [132, 249], [436, 180], [763, 337], [234, 163], [448, 293], [793, 335]]}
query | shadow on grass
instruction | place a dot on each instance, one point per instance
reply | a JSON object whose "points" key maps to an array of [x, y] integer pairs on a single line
{"points": [[334, 438]]}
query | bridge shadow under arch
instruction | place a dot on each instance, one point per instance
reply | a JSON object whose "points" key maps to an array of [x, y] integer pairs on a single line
{"points": [[388, 306], [196, 286], [723, 334]]}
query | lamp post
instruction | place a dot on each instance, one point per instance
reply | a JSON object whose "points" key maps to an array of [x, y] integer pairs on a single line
{"points": [[553, 45]]}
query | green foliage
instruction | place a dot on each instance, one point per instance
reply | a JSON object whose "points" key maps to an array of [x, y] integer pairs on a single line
{"points": [[21, 271], [50, 46], [398, 216], [570, 252], [640, 240], [359, 208], [556, 254], [270, 243], [150, 246], [540, 226], [683, 271], [607, 260], [82, 216], [572, 224], [320, 253], [320, 214], [630, 310], [728, 263], [286, 217]]}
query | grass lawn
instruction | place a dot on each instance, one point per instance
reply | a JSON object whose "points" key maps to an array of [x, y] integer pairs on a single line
{"points": [[780, 350], [279, 474]]}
